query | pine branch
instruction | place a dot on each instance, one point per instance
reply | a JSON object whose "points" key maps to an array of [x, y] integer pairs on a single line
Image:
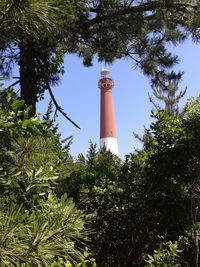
{"points": [[8, 11], [151, 100], [138, 137], [146, 7], [58, 108], [13, 84]]}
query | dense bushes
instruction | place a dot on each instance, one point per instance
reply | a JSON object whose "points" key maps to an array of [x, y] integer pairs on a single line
{"points": [[123, 208], [153, 192], [37, 227]]}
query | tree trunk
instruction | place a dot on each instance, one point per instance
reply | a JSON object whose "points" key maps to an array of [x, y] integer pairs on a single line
{"points": [[28, 75]]}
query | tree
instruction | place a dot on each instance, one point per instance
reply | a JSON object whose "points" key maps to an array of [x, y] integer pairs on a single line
{"points": [[36, 34], [29, 32], [152, 193], [172, 176], [165, 87], [110, 192]]}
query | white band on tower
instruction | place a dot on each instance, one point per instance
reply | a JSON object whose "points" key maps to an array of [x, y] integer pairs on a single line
{"points": [[110, 143]]}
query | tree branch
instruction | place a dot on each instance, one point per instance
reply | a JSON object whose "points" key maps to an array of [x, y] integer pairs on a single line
{"points": [[13, 84], [60, 109], [150, 6]]}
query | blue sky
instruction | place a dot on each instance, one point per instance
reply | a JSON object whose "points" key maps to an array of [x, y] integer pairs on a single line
{"points": [[78, 94]]}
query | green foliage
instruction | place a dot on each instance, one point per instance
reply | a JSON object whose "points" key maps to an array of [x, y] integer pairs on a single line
{"points": [[154, 192], [20, 181], [167, 255], [168, 131], [35, 238], [172, 175], [89, 261], [127, 204], [165, 88], [37, 228], [36, 152], [14, 121], [104, 188]]}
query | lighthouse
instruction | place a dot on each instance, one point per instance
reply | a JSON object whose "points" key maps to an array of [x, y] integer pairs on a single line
{"points": [[108, 136]]}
